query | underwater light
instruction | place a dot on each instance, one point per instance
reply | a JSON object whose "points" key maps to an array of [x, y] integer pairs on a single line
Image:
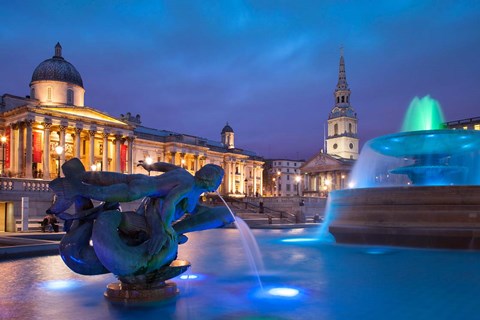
{"points": [[283, 292], [188, 276], [60, 284], [377, 251], [299, 240]]}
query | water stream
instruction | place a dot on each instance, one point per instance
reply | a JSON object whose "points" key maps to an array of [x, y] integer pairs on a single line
{"points": [[249, 244]]}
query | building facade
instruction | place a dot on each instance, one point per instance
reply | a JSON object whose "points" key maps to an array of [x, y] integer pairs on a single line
{"points": [[465, 124], [283, 177], [54, 115]]}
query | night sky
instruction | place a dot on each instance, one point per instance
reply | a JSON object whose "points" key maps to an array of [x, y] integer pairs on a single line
{"points": [[269, 68]]}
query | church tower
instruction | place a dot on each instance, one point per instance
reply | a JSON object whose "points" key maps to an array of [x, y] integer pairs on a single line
{"points": [[342, 140]]}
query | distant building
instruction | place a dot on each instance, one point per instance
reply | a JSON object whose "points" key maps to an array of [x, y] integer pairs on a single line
{"points": [[282, 177], [327, 171], [55, 115], [466, 124]]}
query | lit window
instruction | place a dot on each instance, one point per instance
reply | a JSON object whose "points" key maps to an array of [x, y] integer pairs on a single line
{"points": [[476, 127], [465, 128]]}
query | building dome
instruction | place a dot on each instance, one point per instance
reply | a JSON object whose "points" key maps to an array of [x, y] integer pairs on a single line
{"points": [[57, 69], [227, 128]]}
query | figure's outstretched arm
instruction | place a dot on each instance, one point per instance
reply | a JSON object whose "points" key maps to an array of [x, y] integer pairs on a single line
{"points": [[204, 218], [158, 166]]}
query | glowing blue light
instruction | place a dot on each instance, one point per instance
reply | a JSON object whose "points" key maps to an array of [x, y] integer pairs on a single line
{"points": [[283, 292], [188, 276], [377, 251], [299, 240], [60, 285]]}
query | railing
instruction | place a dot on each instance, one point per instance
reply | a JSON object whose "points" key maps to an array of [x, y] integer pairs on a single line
{"points": [[18, 184], [255, 208]]}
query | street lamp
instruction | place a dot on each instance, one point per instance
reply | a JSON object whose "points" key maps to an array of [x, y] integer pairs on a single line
{"points": [[59, 151], [297, 179], [148, 161], [3, 139]]}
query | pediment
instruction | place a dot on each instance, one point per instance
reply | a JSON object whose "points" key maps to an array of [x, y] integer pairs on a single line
{"points": [[323, 162]]}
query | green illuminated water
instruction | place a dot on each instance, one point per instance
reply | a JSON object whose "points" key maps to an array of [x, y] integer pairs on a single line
{"points": [[423, 114]]}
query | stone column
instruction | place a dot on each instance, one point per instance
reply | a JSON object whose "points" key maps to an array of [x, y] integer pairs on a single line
{"points": [[21, 150], [78, 132], [118, 140], [173, 153], [13, 141], [130, 154], [254, 168], [29, 151], [105, 151], [46, 149], [195, 157], [91, 151], [261, 180], [62, 143]]}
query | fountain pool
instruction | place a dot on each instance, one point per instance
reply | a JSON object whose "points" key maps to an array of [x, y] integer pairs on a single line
{"points": [[333, 282]]}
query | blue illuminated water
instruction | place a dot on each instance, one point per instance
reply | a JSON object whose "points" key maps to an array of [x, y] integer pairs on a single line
{"points": [[333, 282]]}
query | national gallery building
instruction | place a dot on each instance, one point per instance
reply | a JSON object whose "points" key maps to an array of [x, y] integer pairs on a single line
{"points": [[41, 131]]}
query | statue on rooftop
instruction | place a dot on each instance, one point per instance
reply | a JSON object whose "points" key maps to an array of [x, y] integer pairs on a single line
{"points": [[139, 247]]}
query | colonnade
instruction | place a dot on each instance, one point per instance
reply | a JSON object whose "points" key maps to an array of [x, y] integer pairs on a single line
{"points": [[324, 182], [32, 153]]}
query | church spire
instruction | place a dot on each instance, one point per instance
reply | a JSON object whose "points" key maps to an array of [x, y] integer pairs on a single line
{"points": [[342, 92]]}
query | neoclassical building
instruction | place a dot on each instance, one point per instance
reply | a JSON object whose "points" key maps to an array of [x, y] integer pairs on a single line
{"points": [[54, 115], [329, 169]]}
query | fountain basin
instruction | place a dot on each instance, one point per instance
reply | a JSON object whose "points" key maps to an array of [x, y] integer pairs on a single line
{"points": [[437, 143], [415, 216]]}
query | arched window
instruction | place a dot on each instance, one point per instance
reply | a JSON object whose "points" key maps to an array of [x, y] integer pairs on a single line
{"points": [[32, 93], [343, 99], [69, 96], [49, 94], [338, 99], [335, 129], [350, 128]]}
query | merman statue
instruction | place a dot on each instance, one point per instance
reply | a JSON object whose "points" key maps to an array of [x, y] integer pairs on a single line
{"points": [[138, 247]]}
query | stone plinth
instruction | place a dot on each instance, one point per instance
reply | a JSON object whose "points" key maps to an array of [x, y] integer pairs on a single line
{"points": [[121, 292], [427, 217]]}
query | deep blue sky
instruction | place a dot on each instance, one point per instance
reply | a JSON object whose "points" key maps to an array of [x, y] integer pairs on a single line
{"points": [[269, 68]]}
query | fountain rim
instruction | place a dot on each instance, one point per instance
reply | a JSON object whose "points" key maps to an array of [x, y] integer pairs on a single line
{"points": [[404, 140]]}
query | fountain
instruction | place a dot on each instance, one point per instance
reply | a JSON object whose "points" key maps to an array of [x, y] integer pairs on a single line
{"points": [[419, 187]]}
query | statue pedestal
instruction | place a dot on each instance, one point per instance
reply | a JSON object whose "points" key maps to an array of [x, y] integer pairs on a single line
{"points": [[124, 292]]}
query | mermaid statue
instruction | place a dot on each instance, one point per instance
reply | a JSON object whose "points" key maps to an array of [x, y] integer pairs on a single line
{"points": [[139, 247]]}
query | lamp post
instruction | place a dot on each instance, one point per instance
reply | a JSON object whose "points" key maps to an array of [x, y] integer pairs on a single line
{"points": [[3, 139], [297, 179], [59, 151]]}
